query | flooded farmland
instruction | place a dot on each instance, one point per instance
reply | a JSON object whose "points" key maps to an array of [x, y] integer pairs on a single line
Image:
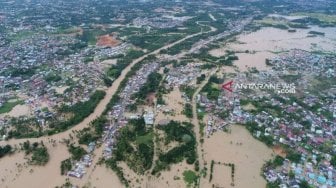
{"points": [[268, 41]]}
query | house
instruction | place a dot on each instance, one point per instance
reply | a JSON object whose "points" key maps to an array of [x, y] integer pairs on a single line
{"points": [[149, 118]]}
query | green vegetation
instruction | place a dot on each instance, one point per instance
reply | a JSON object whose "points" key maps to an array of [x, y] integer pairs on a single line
{"points": [[211, 169], [290, 78], [21, 72], [281, 23], [93, 132], [188, 90], [88, 59], [316, 33], [276, 162], [200, 79], [153, 41], [52, 77], [151, 86], [7, 149], [333, 161], [318, 18], [40, 156], [145, 139], [268, 62], [253, 128], [188, 43], [293, 156], [65, 31], [39, 153], [270, 22], [76, 152], [211, 88], [115, 98], [24, 34], [228, 60], [201, 131], [111, 163], [200, 113], [183, 134], [79, 111], [273, 185], [190, 177], [305, 184], [25, 127], [107, 81], [89, 36], [135, 147], [66, 166], [204, 55], [8, 106], [188, 110], [115, 70], [260, 105]]}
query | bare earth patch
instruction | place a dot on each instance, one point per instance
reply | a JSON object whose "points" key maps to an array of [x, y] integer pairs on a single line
{"points": [[108, 40]]}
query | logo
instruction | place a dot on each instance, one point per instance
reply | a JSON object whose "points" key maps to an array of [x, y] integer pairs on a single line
{"points": [[228, 86], [278, 87]]}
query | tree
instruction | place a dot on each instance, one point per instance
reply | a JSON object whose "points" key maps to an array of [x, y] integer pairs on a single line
{"points": [[304, 184], [294, 156], [66, 165], [291, 174], [333, 161], [40, 156], [190, 177], [186, 138], [278, 161], [77, 152], [5, 150]]}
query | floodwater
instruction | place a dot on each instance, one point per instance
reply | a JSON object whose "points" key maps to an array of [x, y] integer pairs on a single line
{"points": [[15, 172], [168, 178], [18, 110], [60, 90], [268, 41], [175, 104], [240, 148], [49, 175]]}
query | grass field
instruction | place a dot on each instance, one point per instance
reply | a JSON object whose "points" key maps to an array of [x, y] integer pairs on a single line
{"points": [[189, 177], [21, 35], [8, 106], [330, 19], [145, 139]]}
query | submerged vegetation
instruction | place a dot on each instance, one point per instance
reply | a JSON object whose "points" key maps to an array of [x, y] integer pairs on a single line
{"points": [[78, 112], [8, 106], [37, 152], [135, 147], [186, 150]]}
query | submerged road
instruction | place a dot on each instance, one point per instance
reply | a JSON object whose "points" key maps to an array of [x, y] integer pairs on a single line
{"points": [[196, 123], [57, 149]]}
